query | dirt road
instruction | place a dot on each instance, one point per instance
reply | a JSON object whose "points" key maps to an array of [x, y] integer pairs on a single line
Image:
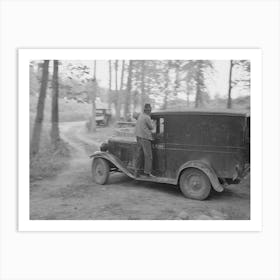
{"points": [[72, 195]]}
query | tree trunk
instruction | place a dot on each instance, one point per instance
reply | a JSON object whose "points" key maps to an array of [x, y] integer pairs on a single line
{"points": [[116, 75], [122, 75], [165, 100], [229, 101], [93, 110], [117, 91], [188, 89], [35, 142], [177, 79], [166, 85], [93, 114], [94, 69], [198, 98], [142, 97], [196, 105], [136, 97], [128, 91], [55, 116], [119, 101], [199, 81], [110, 84]]}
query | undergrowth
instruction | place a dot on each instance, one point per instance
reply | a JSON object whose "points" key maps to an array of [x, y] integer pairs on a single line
{"points": [[48, 162]]}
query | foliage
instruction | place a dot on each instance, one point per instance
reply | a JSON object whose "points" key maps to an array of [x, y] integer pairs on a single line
{"points": [[196, 74], [163, 80], [69, 110], [78, 82], [241, 77], [240, 103]]}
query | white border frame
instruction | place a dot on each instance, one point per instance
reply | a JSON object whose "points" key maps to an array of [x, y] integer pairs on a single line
{"points": [[25, 224]]}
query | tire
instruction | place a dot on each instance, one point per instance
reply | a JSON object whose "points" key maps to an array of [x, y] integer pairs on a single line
{"points": [[100, 171], [195, 184]]}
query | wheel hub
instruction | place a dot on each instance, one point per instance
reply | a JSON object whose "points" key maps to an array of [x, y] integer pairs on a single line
{"points": [[195, 183], [99, 170]]}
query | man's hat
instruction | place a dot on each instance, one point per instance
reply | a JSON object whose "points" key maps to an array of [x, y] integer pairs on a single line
{"points": [[147, 107]]}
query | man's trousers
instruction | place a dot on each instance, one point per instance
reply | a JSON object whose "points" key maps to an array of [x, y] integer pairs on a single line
{"points": [[144, 150]]}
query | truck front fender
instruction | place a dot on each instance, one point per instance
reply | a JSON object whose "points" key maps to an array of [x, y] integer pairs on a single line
{"points": [[114, 160], [204, 167]]}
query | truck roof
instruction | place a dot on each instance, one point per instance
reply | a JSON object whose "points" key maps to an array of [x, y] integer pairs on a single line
{"points": [[215, 112]]}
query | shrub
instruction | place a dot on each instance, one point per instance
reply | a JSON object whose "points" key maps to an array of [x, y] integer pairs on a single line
{"points": [[48, 162]]}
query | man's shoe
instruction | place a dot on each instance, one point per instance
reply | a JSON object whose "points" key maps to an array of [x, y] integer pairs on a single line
{"points": [[150, 175]]}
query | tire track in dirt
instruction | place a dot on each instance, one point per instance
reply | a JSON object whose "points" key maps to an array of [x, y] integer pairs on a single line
{"points": [[75, 135], [75, 173]]}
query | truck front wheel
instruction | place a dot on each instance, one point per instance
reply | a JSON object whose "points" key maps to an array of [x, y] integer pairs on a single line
{"points": [[100, 171]]}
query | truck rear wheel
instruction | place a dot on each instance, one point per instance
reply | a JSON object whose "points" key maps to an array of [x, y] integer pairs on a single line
{"points": [[195, 184], [100, 171]]}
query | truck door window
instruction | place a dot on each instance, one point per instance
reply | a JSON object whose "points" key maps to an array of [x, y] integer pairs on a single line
{"points": [[160, 126], [154, 123]]}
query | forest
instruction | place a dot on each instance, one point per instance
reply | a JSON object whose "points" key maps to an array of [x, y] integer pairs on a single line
{"points": [[63, 91]]}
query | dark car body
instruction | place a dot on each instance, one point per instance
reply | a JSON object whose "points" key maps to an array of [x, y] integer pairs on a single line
{"points": [[214, 142]]}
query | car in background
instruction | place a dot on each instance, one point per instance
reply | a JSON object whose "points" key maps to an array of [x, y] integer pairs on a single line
{"points": [[103, 116]]}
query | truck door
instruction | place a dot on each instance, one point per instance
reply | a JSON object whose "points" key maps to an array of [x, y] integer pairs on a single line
{"points": [[158, 147]]}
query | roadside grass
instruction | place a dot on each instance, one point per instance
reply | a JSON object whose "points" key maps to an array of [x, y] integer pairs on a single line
{"points": [[48, 162]]}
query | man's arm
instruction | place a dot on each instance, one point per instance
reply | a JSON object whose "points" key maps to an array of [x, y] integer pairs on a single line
{"points": [[149, 123]]}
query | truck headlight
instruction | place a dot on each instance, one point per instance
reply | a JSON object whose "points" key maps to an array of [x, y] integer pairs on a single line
{"points": [[104, 147]]}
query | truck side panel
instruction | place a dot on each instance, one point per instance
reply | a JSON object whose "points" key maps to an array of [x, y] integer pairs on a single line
{"points": [[215, 140]]}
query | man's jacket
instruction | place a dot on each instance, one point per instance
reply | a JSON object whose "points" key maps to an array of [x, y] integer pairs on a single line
{"points": [[144, 127]]}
